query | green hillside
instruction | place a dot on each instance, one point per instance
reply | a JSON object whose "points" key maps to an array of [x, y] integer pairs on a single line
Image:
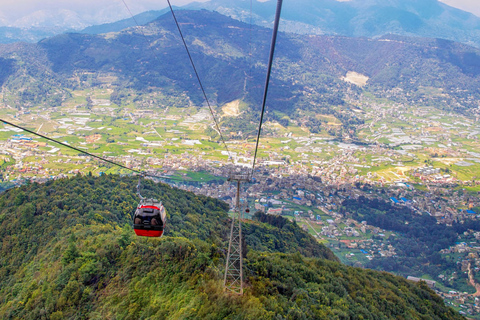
{"points": [[68, 252]]}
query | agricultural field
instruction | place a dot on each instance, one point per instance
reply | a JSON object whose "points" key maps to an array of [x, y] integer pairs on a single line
{"points": [[396, 139]]}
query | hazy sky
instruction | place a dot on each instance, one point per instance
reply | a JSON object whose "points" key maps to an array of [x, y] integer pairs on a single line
{"points": [[17, 8], [472, 6]]}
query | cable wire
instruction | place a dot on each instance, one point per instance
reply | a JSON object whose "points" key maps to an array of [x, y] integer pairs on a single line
{"points": [[250, 45], [199, 81], [141, 30], [88, 153], [270, 62], [194, 69]]}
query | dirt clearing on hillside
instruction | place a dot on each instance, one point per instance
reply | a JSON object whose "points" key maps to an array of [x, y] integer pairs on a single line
{"points": [[231, 109], [357, 79]]}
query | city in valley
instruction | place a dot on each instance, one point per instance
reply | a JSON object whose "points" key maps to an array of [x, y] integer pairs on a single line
{"points": [[404, 157]]}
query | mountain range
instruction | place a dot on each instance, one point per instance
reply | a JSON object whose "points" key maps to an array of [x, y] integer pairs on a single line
{"points": [[358, 18], [308, 76]]}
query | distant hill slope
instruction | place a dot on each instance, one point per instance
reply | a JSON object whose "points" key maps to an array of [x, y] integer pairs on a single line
{"points": [[68, 251], [13, 34], [141, 19]]}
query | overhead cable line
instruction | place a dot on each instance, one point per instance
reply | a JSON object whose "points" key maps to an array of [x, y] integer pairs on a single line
{"points": [[141, 30], [133, 17], [88, 153], [199, 81], [193, 65], [250, 45], [270, 62]]}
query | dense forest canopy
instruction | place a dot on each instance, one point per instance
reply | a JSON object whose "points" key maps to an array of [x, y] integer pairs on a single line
{"points": [[68, 252]]}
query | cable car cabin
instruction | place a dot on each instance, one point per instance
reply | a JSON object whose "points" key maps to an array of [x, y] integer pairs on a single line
{"points": [[149, 218]]}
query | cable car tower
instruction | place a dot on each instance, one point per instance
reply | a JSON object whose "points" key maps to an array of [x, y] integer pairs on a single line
{"points": [[233, 281]]}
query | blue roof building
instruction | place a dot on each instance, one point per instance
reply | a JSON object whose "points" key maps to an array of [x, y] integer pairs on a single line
{"points": [[394, 200]]}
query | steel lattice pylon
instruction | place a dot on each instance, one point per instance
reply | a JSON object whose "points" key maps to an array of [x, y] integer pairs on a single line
{"points": [[233, 281]]}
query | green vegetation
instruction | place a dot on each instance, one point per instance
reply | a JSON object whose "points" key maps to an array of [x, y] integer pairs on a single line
{"points": [[68, 252], [418, 240], [278, 234], [200, 176]]}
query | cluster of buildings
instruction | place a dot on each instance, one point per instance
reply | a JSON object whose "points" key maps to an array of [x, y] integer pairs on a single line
{"points": [[429, 173]]}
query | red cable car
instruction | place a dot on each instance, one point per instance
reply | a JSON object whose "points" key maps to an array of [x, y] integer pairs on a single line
{"points": [[149, 218]]}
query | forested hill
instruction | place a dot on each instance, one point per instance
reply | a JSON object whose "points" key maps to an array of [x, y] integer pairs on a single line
{"points": [[68, 252]]}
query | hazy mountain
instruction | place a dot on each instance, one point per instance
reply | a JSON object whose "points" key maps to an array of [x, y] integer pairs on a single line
{"points": [[3, 19], [48, 22], [59, 18], [369, 18]]}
